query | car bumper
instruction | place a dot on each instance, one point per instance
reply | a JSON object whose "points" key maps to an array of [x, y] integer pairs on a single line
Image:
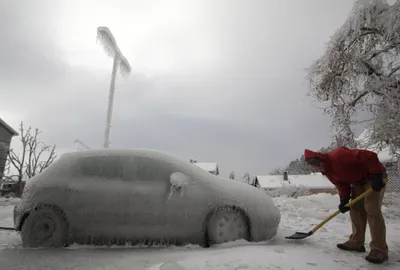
{"points": [[19, 211], [16, 216]]}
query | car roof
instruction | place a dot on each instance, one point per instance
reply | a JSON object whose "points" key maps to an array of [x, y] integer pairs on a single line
{"points": [[141, 152], [135, 152]]}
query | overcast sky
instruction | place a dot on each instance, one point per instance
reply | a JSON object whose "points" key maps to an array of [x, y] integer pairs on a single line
{"points": [[211, 80]]}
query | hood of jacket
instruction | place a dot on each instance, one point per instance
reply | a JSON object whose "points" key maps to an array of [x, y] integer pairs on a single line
{"points": [[308, 154]]}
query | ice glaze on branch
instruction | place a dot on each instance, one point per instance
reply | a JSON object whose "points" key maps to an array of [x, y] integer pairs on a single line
{"points": [[360, 71]]}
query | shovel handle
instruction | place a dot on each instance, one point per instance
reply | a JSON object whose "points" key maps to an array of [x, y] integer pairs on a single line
{"points": [[364, 194]]}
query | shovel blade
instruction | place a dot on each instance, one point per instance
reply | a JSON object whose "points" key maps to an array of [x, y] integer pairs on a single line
{"points": [[299, 235]]}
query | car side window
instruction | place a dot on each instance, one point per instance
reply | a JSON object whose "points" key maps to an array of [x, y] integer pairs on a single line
{"points": [[102, 166], [142, 169]]}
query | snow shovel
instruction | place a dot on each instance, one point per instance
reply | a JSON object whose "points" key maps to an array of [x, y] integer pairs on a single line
{"points": [[7, 228], [302, 235]]}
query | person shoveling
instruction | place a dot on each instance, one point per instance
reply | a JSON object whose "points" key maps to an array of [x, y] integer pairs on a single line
{"points": [[360, 176]]}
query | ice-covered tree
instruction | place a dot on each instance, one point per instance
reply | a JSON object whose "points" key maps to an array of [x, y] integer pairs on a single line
{"points": [[34, 156], [246, 178], [276, 171], [359, 74], [232, 175]]}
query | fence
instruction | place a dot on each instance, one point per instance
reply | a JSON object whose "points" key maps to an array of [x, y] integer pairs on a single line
{"points": [[394, 181]]}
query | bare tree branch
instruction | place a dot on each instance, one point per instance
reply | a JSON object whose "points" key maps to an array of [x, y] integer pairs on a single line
{"points": [[369, 30], [32, 159], [394, 71], [49, 161]]}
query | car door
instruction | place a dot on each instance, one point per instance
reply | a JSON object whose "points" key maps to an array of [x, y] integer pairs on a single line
{"points": [[149, 188], [98, 195], [177, 204], [187, 205]]}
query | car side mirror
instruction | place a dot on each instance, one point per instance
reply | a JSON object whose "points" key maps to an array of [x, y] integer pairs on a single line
{"points": [[178, 180]]}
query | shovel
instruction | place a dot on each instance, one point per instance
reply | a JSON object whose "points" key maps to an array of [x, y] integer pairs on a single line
{"points": [[7, 228], [302, 235]]}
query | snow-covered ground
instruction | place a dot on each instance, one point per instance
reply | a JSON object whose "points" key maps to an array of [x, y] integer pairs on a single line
{"points": [[316, 252]]}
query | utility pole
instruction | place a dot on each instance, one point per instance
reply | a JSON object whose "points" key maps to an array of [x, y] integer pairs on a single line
{"points": [[121, 64]]}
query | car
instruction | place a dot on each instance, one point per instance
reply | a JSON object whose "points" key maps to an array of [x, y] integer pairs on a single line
{"points": [[7, 187], [139, 196], [10, 186]]}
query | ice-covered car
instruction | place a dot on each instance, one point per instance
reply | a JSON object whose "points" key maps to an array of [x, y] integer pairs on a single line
{"points": [[139, 196]]}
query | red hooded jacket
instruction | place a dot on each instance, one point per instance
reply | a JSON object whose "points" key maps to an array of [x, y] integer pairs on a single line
{"points": [[344, 166]]}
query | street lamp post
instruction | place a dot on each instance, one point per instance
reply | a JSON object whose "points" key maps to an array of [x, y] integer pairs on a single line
{"points": [[107, 41]]}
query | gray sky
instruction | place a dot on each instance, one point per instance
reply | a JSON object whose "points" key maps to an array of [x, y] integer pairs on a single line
{"points": [[213, 80]]}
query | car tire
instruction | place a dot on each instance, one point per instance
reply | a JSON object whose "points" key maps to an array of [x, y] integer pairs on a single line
{"points": [[227, 224], [45, 226]]}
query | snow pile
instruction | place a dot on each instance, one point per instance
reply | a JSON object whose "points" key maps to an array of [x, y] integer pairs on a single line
{"points": [[308, 211]]}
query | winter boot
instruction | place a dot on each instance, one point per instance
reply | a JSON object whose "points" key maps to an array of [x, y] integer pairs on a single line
{"points": [[351, 247], [376, 256]]}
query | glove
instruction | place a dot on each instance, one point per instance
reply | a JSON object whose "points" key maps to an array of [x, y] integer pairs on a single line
{"points": [[343, 201], [377, 182]]}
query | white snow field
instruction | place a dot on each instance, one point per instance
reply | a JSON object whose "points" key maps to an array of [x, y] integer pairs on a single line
{"points": [[315, 252]]}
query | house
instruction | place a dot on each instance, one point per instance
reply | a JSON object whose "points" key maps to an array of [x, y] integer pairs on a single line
{"points": [[6, 133], [388, 159], [314, 183], [210, 167]]}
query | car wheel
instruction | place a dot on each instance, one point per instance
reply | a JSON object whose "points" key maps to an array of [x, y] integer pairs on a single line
{"points": [[227, 224], [45, 227]]}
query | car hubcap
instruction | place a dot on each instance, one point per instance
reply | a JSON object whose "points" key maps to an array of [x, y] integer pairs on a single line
{"points": [[43, 228], [230, 228]]}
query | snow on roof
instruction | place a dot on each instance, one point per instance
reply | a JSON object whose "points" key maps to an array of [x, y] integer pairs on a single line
{"points": [[384, 154], [208, 166], [6, 126], [314, 181]]}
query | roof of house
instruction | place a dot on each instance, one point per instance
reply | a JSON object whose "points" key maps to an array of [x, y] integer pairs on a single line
{"points": [[384, 154], [208, 166], [6, 126], [314, 181]]}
